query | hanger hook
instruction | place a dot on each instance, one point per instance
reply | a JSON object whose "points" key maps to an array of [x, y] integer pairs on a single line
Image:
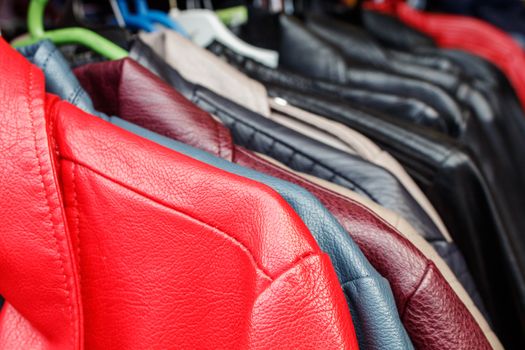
{"points": [[35, 18]]}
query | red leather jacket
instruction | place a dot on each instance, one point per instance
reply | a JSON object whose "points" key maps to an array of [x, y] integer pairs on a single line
{"points": [[110, 241], [126, 89]]}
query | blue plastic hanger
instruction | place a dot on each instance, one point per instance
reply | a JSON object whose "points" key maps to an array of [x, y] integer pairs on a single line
{"points": [[159, 17], [138, 22], [144, 18]]}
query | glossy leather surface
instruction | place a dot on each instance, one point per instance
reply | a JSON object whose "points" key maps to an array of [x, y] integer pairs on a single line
{"points": [[369, 296], [494, 134], [408, 232], [350, 141], [270, 141], [313, 157], [391, 254], [195, 66], [497, 138], [292, 149], [360, 47], [455, 186], [484, 116], [336, 166], [488, 102], [121, 279], [499, 118], [169, 44], [485, 40], [305, 53], [310, 156], [404, 108]]}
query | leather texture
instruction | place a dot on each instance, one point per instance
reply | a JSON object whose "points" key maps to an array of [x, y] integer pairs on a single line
{"points": [[306, 155], [497, 139], [492, 135], [334, 165], [168, 44], [452, 182], [196, 67], [91, 226], [305, 53], [408, 232], [360, 48], [495, 132], [484, 132], [485, 40], [393, 256], [403, 107], [313, 157], [370, 300], [341, 137], [369, 297], [265, 136]]}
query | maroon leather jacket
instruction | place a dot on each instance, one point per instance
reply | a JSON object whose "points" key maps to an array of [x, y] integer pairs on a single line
{"points": [[432, 313]]}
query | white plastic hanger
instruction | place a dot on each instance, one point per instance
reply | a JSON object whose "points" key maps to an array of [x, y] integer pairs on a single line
{"points": [[203, 27]]}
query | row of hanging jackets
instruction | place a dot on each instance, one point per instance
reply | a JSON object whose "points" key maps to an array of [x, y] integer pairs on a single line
{"points": [[313, 185]]}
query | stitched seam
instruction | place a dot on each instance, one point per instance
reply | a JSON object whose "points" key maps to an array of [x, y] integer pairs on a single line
{"points": [[336, 195], [292, 266], [416, 288], [48, 57], [160, 202], [357, 279], [420, 142], [55, 144], [61, 259], [72, 98], [199, 98], [77, 221]]}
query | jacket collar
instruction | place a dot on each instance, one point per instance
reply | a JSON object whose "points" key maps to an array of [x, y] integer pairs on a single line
{"points": [[36, 247], [162, 109]]}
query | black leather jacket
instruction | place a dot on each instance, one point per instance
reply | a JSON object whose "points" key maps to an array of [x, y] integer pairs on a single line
{"points": [[404, 108], [496, 136], [303, 52]]}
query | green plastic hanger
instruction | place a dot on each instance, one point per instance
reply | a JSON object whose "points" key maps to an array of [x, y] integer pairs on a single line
{"points": [[74, 35]]}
